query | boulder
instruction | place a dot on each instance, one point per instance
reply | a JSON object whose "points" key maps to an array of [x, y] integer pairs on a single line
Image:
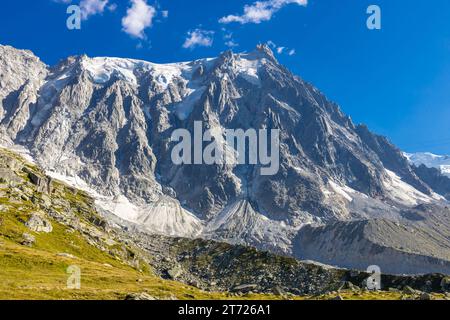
{"points": [[409, 290], [43, 183], [39, 224], [28, 240], [278, 291], [346, 285], [140, 297], [245, 288], [425, 296], [175, 272], [445, 284]]}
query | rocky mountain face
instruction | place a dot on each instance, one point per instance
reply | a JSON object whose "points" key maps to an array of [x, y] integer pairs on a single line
{"points": [[105, 124], [46, 226]]}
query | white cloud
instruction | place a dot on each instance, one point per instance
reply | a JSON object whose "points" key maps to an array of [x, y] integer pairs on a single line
{"points": [[280, 50], [198, 38], [139, 17], [92, 7], [165, 13], [260, 11], [228, 38], [231, 44], [291, 52]]}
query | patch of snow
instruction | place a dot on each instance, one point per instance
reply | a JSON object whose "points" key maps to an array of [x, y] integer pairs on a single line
{"points": [[343, 191], [402, 192], [248, 69], [119, 206], [102, 69], [184, 108], [430, 160]]}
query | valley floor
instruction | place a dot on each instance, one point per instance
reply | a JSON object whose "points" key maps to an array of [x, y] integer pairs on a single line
{"points": [[30, 274]]}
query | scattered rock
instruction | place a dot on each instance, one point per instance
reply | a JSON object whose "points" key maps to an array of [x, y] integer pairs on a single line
{"points": [[8, 176], [169, 192], [244, 288], [140, 297], [175, 272], [445, 283], [39, 224], [409, 290], [66, 255], [28, 240], [337, 298], [278, 291], [346, 285], [425, 296]]}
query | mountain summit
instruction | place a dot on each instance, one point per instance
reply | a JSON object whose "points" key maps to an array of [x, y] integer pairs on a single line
{"points": [[105, 124]]}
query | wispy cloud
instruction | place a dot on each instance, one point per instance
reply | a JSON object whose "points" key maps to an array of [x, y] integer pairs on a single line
{"points": [[228, 38], [281, 49], [260, 11], [199, 38], [231, 44], [138, 18]]}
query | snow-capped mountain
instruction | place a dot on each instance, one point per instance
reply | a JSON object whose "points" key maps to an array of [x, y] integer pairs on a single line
{"points": [[430, 160], [105, 124]]}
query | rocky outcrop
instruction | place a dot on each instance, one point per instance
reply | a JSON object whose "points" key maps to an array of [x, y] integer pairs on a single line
{"points": [[43, 183], [38, 224]]}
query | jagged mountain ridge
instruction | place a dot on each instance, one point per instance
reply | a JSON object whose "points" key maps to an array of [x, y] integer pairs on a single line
{"points": [[108, 121]]}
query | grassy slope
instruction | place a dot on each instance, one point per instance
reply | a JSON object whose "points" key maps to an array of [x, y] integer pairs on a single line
{"points": [[40, 273]]}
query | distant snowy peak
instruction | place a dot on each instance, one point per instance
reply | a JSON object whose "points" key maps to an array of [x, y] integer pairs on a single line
{"points": [[430, 160]]}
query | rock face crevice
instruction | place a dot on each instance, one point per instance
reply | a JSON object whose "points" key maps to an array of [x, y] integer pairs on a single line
{"points": [[108, 122]]}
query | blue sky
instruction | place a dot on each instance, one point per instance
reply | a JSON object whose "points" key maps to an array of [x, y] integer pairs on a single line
{"points": [[396, 80]]}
